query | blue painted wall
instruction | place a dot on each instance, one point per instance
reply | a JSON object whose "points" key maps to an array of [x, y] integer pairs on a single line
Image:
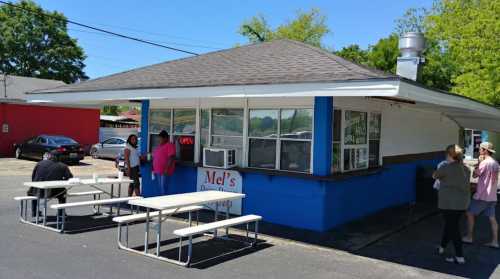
{"points": [[311, 204], [322, 141]]}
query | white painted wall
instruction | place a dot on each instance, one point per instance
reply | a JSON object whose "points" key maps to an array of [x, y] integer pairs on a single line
{"points": [[410, 131], [406, 129]]}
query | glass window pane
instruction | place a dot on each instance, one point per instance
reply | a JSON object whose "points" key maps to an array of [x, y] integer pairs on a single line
{"points": [[204, 123], [184, 147], [229, 142], [263, 123], [262, 153], [374, 153], [296, 123], [375, 120], [336, 158], [184, 121], [295, 155], [227, 122], [159, 119], [355, 158], [154, 141], [337, 126], [355, 127]]}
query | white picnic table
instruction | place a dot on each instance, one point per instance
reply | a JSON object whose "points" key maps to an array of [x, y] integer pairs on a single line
{"points": [[68, 184], [175, 202]]}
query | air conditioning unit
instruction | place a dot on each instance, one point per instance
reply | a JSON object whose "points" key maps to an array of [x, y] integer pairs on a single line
{"points": [[222, 158]]}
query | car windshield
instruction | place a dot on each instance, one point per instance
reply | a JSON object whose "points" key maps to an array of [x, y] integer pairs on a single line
{"points": [[62, 140]]}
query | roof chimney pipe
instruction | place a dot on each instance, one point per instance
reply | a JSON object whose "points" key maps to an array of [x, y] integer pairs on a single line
{"points": [[409, 64]]}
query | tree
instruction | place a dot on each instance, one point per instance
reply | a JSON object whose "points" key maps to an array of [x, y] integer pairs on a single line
{"points": [[354, 53], [438, 68], [384, 54], [308, 27], [468, 31], [37, 44]]}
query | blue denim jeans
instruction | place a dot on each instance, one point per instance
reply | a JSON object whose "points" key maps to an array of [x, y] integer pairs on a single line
{"points": [[161, 182]]}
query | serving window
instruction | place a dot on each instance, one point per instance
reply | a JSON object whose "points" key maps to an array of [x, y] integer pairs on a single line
{"points": [[356, 140], [180, 124], [280, 139]]}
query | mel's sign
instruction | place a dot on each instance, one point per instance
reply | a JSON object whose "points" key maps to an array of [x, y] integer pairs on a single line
{"points": [[221, 180]]}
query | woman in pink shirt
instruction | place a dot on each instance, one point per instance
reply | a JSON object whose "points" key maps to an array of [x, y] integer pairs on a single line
{"points": [[485, 199], [163, 162]]}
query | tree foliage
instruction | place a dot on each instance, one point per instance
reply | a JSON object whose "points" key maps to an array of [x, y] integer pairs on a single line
{"points": [[354, 53], [35, 45], [468, 33], [384, 54], [308, 27]]}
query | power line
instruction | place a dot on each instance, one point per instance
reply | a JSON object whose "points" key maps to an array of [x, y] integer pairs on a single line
{"points": [[99, 29], [154, 41]]}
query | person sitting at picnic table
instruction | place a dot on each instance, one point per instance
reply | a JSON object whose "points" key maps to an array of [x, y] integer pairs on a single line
{"points": [[485, 198], [453, 199], [49, 170], [163, 162], [132, 161]]}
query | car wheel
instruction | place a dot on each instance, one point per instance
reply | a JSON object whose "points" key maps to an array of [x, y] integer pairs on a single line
{"points": [[19, 153], [45, 156], [93, 153]]}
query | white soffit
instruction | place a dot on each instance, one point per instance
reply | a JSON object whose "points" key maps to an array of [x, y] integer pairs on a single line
{"points": [[466, 112], [379, 88]]}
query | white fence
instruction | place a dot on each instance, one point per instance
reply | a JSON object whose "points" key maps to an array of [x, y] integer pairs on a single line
{"points": [[106, 132]]}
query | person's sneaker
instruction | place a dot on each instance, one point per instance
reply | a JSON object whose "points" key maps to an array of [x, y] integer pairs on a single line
{"points": [[440, 250], [458, 260], [467, 240], [492, 245]]}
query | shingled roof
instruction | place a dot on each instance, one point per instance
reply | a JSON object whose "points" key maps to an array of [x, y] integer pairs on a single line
{"points": [[276, 62]]}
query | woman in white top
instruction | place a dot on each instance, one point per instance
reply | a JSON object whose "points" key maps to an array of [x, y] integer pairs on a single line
{"points": [[132, 161]]}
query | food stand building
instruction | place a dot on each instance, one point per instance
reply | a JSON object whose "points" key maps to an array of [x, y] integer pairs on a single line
{"points": [[319, 140]]}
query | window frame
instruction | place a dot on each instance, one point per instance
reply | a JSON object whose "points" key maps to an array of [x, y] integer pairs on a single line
{"points": [[344, 146], [278, 139], [170, 130]]}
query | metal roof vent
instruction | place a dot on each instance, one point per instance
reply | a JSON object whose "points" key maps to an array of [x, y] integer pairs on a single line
{"points": [[411, 46]]}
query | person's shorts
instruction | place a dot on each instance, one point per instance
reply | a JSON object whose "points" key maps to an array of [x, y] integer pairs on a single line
{"points": [[134, 176], [477, 207]]}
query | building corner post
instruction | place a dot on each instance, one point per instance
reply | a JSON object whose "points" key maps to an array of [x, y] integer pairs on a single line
{"points": [[323, 133], [144, 126], [147, 188]]}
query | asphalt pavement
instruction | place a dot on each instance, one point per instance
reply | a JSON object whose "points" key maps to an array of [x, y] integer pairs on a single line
{"points": [[30, 252]]}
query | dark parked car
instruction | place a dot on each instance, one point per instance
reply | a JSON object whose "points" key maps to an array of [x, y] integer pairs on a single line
{"points": [[68, 150]]}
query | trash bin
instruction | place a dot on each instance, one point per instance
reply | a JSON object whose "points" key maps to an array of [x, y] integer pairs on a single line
{"points": [[425, 193]]}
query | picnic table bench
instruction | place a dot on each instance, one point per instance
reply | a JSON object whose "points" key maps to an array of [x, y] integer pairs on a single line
{"points": [[165, 206], [68, 184]]}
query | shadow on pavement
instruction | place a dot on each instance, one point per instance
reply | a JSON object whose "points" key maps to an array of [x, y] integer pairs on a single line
{"points": [[406, 235]]}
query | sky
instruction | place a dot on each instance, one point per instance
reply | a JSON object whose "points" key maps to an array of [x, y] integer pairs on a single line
{"points": [[204, 26]]}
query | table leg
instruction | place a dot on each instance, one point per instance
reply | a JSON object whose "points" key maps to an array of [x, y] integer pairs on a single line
{"points": [[45, 207], [158, 235], [112, 195], [227, 217], [37, 214], [146, 232], [216, 216]]}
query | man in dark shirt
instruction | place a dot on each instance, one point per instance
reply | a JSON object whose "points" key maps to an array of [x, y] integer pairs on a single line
{"points": [[49, 170]]}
